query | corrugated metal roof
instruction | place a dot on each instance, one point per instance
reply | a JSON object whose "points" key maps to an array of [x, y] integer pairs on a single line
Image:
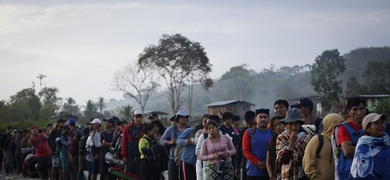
{"points": [[222, 103]]}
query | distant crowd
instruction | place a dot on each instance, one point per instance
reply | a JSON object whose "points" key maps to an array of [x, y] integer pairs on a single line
{"points": [[294, 144]]}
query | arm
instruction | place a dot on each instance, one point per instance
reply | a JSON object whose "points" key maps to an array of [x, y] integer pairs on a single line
{"points": [[269, 167], [125, 136], [309, 161], [182, 140], [199, 144], [232, 149], [142, 144], [204, 155], [246, 148], [166, 137], [283, 153], [345, 142]]}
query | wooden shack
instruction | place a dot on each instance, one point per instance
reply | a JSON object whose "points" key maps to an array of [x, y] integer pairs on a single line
{"points": [[237, 107]]}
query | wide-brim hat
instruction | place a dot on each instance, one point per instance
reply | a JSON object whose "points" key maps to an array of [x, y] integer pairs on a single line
{"points": [[293, 115]]}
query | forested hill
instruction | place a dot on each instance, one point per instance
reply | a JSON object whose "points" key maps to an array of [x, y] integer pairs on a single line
{"points": [[356, 60]]}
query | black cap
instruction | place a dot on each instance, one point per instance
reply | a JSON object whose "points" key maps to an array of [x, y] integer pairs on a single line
{"points": [[303, 102], [265, 111], [153, 115]]}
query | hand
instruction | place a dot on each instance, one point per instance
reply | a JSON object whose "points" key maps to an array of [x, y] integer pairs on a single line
{"points": [[188, 141], [97, 157], [173, 141], [272, 178], [124, 160], [225, 155], [293, 136], [262, 165], [237, 173], [216, 156]]}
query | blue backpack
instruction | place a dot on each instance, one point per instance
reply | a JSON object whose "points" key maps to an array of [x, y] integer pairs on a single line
{"points": [[344, 163]]}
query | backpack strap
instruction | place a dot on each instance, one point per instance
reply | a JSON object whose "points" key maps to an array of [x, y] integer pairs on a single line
{"points": [[352, 133], [252, 132], [320, 144], [317, 124]]}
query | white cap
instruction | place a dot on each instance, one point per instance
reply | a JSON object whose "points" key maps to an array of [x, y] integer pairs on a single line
{"points": [[372, 117], [96, 120], [136, 112]]}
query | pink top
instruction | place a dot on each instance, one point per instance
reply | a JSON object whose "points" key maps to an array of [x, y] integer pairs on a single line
{"points": [[210, 148], [41, 146]]}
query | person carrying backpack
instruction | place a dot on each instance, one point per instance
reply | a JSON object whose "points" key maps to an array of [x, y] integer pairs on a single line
{"points": [[318, 162], [346, 136], [169, 139], [150, 162]]}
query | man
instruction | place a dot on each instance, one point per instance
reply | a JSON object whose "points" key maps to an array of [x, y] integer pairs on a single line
{"points": [[255, 145], [94, 145], [348, 134], [169, 139], [240, 159], [106, 139], [132, 133], [305, 106], [76, 135], [281, 107], [54, 134], [226, 126], [42, 151], [290, 147]]}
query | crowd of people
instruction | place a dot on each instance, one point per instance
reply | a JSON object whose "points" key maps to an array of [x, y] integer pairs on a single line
{"points": [[294, 144]]}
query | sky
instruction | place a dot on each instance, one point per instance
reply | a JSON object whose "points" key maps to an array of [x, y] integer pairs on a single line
{"points": [[79, 45]]}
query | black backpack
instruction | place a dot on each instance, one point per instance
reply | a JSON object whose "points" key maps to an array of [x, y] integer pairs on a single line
{"points": [[156, 155]]}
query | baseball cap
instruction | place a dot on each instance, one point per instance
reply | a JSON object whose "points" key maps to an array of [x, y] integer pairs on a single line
{"points": [[153, 115], [372, 117], [137, 112], [72, 122], [96, 121], [110, 120], [303, 102]]}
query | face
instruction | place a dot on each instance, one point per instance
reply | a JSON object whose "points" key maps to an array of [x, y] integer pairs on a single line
{"points": [[293, 127], [49, 128], [304, 111], [229, 121], [377, 129], [204, 122], [153, 132], [250, 123], [182, 120], [107, 124], [96, 126], [357, 113], [262, 120], [137, 119], [278, 127], [34, 131], [213, 131], [280, 110], [236, 123], [60, 125]]}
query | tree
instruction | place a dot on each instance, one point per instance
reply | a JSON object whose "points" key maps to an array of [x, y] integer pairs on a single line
{"points": [[324, 77], [377, 77], [91, 110], [178, 60], [25, 105], [126, 111], [71, 107], [101, 104], [50, 102], [137, 83], [353, 87]]}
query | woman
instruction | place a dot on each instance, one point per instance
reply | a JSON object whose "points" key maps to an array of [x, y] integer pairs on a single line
{"points": [[371, 159], [290, 147], [198, 165], [320, 165], [218, 149], [277, 127], [148, 172]]}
